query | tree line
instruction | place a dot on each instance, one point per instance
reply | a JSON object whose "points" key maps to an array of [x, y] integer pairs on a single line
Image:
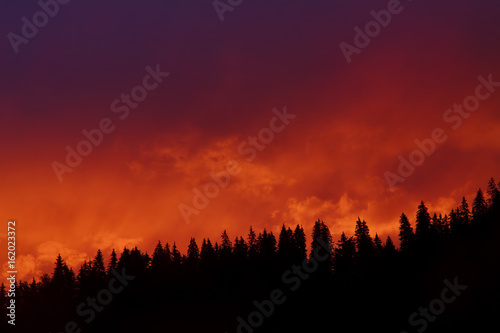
{"points": [[210, 285]]}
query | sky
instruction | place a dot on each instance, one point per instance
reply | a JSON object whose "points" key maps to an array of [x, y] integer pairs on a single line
{"points": [[212, 86]]}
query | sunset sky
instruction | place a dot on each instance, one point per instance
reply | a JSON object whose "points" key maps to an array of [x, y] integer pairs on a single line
{"points": [[225, 78]]}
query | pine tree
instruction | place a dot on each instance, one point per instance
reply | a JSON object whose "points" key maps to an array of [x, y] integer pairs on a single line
{"points": [[406, 235], [226, 247], [364, 242], [176, 256], [124, 260], [455, 221], [464, 214], [193, 253], [321, 237], [113, 262], [445, 225], [389, 248], [58, 274], [285, 244], [63, 280], [207, 254], [299, 243], [343, 258], [253, 246], [479, 209], [240, 249], [423, 223], [98, 268], [167, 254], [435, 224], [267, 245], [493, 193], [378, 244], [138, 262]]}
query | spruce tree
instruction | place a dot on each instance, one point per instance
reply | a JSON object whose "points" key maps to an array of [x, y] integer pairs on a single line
{"points": [[406, 235]]}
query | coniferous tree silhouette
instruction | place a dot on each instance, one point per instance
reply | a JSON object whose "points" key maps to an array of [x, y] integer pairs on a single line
{"points": [[479, 210], [344, 257], [98, 274], [423, 224], [207, 253], [299, 244], [493, 193], [286, 246], [226, 248], [389, 248], [406, 235], [322, 238], [113, 262], [464, 217], [240, 250], [176, 257], [364, 245], [267, 245], [124, 259], [193, 254], [378, 244], [253, 245]]}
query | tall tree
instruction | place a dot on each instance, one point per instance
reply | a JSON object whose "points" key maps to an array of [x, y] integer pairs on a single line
{"points": [[124, 260], [378, 244], [493, 193], [176, 257], [285, 244], [226, 247], [63, 279], [193, 253], [479, 208], [322, 238], [343, 259], [435, 224], [158, 261], [445, 225], [321, 232], [464, 214], [423, 223], [168, 254], [267, 245], [389, 248], [455, 222], [253, 246], [299, 243], [406, 235], [207, 253], [240, 249], [364, 242], [113, 262], [98, 268]]}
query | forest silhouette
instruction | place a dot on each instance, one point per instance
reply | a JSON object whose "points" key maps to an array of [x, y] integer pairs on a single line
{"points": [[279, 283]]}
